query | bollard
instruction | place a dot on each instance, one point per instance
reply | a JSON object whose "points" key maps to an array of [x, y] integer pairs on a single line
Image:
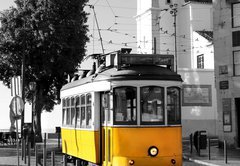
{"points": [[225, 151], [23, 142], [44, 151], [36, 154], [58, 140], [29, 153], [191, 143], [53, 158], [198, 137], [25, 152], [209, 149], [64, 160], [78, 162]]}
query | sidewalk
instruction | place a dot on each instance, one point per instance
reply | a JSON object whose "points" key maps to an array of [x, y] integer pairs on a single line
{"points": [[8, 156], [216, 156]]}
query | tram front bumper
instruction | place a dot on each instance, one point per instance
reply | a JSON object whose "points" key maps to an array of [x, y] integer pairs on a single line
{"points": [[147, 161]]}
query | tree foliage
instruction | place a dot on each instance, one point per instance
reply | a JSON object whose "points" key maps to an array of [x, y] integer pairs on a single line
{"points": [[51, 34]]}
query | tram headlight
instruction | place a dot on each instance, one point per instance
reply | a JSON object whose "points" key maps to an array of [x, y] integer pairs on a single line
{"points": [[153, 151], [131, 162]]}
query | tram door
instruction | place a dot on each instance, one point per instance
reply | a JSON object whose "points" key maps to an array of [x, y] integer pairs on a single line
{"points": [[106, 130]]}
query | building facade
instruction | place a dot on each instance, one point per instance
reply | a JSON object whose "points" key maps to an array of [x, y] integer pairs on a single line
{"points": [[184, 29], [227, 68]]}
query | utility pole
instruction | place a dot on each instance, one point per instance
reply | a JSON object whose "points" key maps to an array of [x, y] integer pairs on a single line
{"points": [[92, 7], [173, 12]]}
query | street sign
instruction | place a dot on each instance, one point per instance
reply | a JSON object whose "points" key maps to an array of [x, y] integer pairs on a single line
{"points": [[16, 106]]}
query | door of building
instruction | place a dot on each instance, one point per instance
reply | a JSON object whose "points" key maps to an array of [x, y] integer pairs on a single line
{"points": [[237, 104]]}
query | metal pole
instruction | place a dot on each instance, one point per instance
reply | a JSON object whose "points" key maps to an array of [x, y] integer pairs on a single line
{"points": [[44, 151], [175, 37], [191, 143], [91, 6], [209, 149], [225, 151], [15, 105], [25, 153], [64, 160], [53, 158], [36, 154], [78, 162], [198, 137], [23, 92], [29, 153]]}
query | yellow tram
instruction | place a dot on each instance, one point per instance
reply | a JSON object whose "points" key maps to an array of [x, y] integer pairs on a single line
{"points": [[127, 112]]}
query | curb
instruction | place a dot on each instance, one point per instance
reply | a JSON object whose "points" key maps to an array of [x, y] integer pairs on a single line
{"points": [[199, 161]]}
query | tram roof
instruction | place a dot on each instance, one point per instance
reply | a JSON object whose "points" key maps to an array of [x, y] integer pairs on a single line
{"points": [[134, 72]]}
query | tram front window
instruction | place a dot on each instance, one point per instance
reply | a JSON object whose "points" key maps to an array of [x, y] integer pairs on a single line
{"points": [[152, 105], [173, 105], [125, 102]]}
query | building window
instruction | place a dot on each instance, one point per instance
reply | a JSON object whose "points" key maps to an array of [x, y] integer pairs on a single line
{"points": [[236, 63], [236, 38], [235, 15], [200, 61]]}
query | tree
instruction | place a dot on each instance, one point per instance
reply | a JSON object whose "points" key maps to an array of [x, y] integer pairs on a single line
{"points": [[51, 34]]}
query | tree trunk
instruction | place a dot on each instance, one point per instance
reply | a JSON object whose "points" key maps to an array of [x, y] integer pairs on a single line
{"points": [[37, 111]]}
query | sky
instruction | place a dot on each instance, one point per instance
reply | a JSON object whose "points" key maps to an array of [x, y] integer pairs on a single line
{"points": [[117, 27]]}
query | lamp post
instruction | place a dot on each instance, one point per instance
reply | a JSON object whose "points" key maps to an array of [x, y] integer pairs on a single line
{"points": [[173, 12], [32, 88]]}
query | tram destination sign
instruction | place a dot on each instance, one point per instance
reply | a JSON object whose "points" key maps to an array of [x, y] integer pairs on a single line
{"points": [[146, 59]]}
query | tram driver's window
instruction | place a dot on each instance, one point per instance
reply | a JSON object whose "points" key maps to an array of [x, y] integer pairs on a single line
{"points": [[89, 110], [125, 102], [152, 104], [173, 105], [83, 111]]}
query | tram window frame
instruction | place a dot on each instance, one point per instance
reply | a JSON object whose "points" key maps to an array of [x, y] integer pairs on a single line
{"points": [[73, 111], [89, 118], [149, 104], [176, 121], [64, 112], [131, 104], [78, 117], [68, 112], [83, 111]]}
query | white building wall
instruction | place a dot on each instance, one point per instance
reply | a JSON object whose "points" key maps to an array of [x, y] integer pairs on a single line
{"points": [[190, 18], [199, 117]]}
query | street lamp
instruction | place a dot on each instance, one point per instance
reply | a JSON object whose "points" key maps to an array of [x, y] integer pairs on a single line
{"points": [[173, 12]]}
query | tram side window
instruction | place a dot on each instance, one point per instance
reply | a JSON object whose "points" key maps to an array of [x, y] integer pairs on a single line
{"points": [[64, 112], [83, 111], [173, 105], [89, 110], [152, 105], [68, 112], [73, 111], [125, 102], [77, 111]]}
